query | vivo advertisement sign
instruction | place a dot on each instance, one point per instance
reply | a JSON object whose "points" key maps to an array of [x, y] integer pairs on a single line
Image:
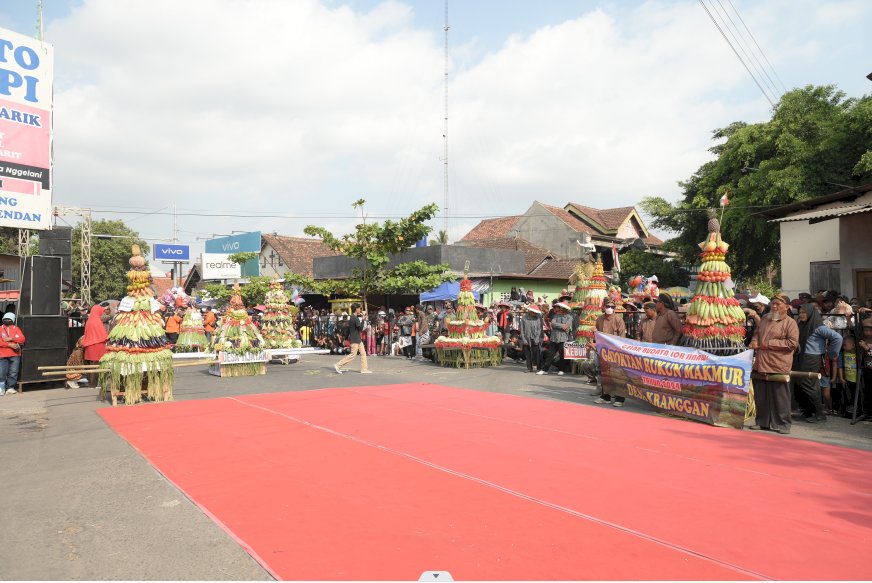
{"points": [[243, 242], [235, 243], [168, 252]]}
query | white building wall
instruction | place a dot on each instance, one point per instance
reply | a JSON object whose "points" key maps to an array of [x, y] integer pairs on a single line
{"points": [[801, 244], [268, 270], [627, 230], [855, 233]]}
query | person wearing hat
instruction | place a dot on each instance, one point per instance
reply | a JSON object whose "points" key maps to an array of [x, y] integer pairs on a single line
{"points": [[755, 307], [532, 332], [667, 326], [775, 340], [11, 339], [646, 324], [561, 326], [610, 323], [504, 321]]}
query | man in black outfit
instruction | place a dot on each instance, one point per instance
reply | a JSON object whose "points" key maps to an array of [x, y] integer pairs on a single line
{"points": [[355, 327]]}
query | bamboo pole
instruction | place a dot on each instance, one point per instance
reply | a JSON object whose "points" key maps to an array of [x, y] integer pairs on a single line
{"points": [[55, 373], [198, 363], [74, 367]]}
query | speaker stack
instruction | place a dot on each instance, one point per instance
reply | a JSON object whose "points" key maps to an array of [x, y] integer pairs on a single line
{"points": [[39, 317], [58, 242]]}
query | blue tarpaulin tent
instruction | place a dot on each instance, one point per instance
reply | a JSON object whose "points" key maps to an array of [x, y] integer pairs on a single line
{"points": [[446, 291]]}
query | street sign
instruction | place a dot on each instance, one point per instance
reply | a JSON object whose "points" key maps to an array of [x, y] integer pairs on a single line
{"points": [[171, 252]]}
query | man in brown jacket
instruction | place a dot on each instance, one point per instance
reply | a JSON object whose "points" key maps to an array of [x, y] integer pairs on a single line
{"points": [[667, 326], [610, 323], [646, 325], [775, 341]]}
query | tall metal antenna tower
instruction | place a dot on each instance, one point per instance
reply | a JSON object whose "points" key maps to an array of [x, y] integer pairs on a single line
{"points": [[445, 128]]}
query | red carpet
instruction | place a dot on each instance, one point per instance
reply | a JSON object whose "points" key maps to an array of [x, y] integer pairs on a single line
{"points": [[383, 483]]}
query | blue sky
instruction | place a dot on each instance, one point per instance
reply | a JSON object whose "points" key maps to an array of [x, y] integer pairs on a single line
{"points": [[298, 108]]}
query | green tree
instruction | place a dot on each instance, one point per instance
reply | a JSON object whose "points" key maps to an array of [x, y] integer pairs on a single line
{"points": [[374, 243], [817, 139], [242, 257], [668, 272], [109, 258], [253, 293], [9, 240], [441, 238]]}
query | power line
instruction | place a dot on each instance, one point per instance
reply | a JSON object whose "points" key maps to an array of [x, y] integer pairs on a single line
{"points": [[738, 56], [774, 72], [758, 67], [231, 214]]}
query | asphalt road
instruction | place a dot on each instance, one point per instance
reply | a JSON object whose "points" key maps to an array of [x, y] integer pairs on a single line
{"points": [[79, 503]]}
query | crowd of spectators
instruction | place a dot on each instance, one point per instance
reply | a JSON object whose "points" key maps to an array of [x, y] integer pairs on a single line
{"points": [[534, 331]]}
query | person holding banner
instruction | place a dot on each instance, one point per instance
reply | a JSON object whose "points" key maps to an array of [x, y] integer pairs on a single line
{"points": [[775, 340], [561, 324], [646, 325], [532, 332], [667, 326], [609, 323]]}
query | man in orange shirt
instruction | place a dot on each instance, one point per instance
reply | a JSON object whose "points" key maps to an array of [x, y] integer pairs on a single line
{"points": [[173, 327], [11, 339], [209, 320]]}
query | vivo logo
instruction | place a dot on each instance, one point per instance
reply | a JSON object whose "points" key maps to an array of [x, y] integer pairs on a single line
{"points": [[173, 251], [233, 246]]}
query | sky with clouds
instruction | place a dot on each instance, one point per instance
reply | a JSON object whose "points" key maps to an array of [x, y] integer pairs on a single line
{"points": [[246, 108]]}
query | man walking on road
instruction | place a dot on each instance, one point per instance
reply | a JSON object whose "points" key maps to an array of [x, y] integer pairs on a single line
{"points": [[355, 327]]}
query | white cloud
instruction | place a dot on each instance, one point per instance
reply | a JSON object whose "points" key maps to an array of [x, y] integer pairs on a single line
{"points": [[301, 107]]}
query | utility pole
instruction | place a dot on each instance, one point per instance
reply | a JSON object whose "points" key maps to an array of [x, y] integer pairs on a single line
{"points": [[176, 264], [445, 128]]}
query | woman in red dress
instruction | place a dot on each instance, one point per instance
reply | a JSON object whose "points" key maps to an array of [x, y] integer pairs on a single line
{"points": [[95, 338]]}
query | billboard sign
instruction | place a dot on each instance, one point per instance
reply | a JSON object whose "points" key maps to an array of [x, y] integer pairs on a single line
{"points": [[218, 266], [168, 252], [26, 73], [239, 243]]}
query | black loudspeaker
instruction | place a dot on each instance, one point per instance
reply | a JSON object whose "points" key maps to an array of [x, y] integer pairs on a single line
{"points": [[59, 243], [44, 331], [33, 358], [40, 286]]}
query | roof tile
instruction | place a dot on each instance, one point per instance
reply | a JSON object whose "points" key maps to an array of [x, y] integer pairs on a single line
{"points": [[492, 228], [609, 218], [570, 219], [556, 268], [298, 253]]}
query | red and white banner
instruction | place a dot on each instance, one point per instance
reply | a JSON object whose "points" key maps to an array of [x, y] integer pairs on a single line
{"points": [[616, 260], [26, 74]]}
